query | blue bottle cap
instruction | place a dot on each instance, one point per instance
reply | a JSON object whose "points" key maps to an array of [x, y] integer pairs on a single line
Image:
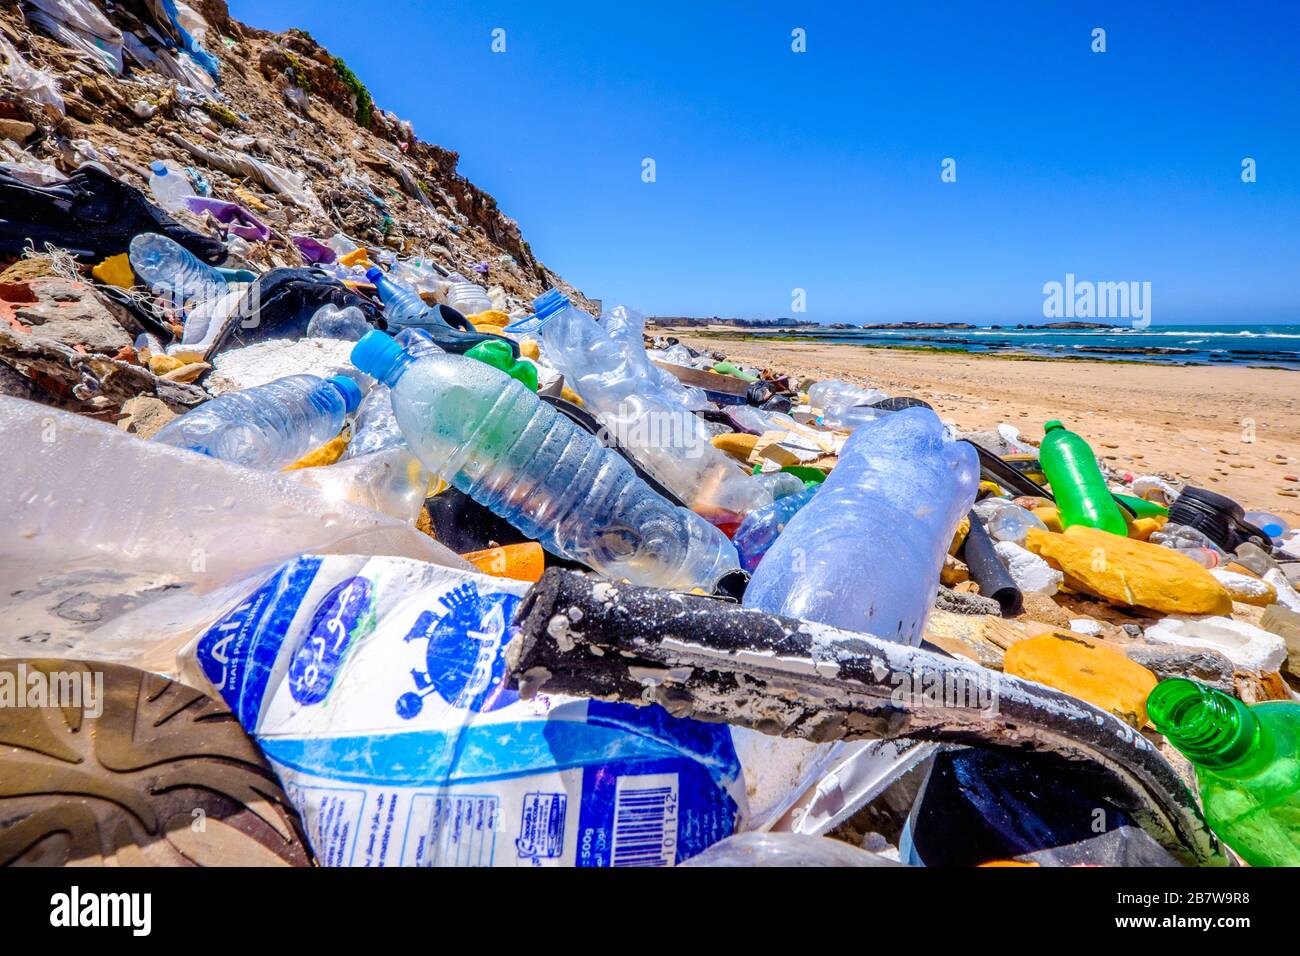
{"points": [[378, 355], [349, 389], [374, 274], [545, 307], [159, 168]]}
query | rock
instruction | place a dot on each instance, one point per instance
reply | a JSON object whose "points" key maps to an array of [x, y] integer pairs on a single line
{"points": [[1030, 572], [1086, 625], [66, 312], [954, 571], [1254, 558], [1250, 648], [1244, 588], [1195, 663], [16, 129], [1286, 594], [145, 416], [959, 603], [1128, 572], [1286, 624], [1087, 670], [1291, 571], [966, 635], [1040, 607]]}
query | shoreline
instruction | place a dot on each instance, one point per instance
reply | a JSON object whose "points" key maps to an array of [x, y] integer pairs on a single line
{"points": [[1133, 357], [1232, 429]]}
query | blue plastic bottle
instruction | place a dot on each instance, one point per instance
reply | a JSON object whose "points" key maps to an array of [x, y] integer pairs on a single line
{"points": [[268, 426], [496, 441], [762, 527]]}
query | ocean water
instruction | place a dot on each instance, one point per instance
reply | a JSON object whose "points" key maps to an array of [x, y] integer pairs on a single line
{"points": [[1275, 346]]}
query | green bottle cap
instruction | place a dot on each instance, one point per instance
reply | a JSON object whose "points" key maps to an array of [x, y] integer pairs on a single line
{"points": [[1052, 426], [497, 354]]}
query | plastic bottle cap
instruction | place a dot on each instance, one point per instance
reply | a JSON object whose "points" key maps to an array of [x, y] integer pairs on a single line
{"points": [[1052, 426], [374, 274], [349, 389], [377, 354], [159, 168], [545, 307]]}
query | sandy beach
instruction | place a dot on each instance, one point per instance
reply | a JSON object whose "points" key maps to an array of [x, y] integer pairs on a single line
{"points": [[1234, 430]]}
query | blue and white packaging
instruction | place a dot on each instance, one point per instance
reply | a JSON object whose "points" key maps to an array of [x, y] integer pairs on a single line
{"points": [[376, 688]]}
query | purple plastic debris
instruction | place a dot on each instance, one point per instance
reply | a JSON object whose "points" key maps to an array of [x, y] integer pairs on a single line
{"points": [[238, 220], [314, 253]]}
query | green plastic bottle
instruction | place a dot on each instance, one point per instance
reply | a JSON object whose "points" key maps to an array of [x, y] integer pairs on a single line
{"points": [[1247, 763], [1077, 483]]}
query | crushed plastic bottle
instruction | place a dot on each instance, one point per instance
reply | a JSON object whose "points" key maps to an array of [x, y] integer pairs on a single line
{"points": [[170, 269], [670, 442], [268, 426], [331, 322], [833, 391], [1247, 761], [865, 553], [627, 328], [1006, 521], [494, 440]]}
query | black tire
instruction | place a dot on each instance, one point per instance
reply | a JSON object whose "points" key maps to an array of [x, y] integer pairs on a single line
{"points": [[163, 776]]}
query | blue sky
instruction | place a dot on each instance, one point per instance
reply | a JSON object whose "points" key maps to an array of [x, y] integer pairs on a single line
{"points": [[820, 170]]}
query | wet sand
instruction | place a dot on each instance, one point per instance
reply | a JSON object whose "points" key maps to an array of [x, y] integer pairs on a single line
{"points": [[1233, 430]]}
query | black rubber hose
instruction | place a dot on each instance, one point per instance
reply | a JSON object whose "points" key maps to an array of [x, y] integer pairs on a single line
{"points": [[988, 571], [698, 657]]}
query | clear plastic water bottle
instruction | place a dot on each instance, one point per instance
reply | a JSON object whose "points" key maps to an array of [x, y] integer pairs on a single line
{"points": [[865, 553], [402, 307], [496, 441], [466, 297], [761, 528], [170, 269], [331, 322], [671, 442], [375, 427], [169, 185], [269, 426]]}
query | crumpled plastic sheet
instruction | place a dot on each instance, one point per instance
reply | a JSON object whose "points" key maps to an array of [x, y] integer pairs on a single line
{"points": [[80, 25], [111, 546]]}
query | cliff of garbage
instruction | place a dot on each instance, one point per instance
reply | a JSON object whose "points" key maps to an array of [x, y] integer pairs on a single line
{"points": [[145, 80]]}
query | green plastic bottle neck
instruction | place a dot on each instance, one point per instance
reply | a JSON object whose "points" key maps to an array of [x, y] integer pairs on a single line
{"points": [[1210, 728], [1052, 426]]}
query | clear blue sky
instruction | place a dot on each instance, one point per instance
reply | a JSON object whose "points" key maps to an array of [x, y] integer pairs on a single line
{"points": [[820, 170]]}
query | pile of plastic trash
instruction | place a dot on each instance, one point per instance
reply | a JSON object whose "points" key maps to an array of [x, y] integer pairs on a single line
{"points": [[488, 581]]}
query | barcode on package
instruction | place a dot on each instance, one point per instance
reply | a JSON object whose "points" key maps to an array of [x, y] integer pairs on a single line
{"points": [[645, 821]]}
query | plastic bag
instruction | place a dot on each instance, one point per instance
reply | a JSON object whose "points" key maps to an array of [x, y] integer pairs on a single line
{"points": [[36, 84], [376, 689]]}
